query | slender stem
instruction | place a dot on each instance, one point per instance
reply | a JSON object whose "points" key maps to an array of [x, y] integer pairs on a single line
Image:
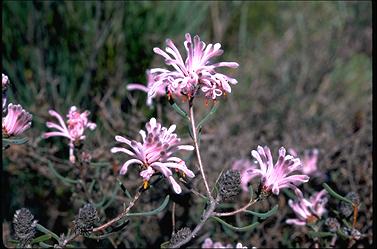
{"points": [[238, 210], [355, 212], [194, 131], [208, 213], [72, 237], [120, 216], [173, 218]]}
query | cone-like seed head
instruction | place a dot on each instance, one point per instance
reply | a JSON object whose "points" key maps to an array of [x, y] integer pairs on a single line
{"points": [[86, 219], [180, 235], [230, 184], [345, 208], [24, 226], [332, 224]]}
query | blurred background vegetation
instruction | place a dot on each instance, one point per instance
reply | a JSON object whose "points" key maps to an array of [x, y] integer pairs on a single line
{"points": [[305, 81]]}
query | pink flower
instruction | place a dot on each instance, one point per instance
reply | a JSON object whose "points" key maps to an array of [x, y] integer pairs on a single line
{"points": [[308, 211], [274, 178], [4, 87], [243, 165], [154, 153], [208, 243], [193, 73], [77, 123], [16, 121], [161, 91], [309, 162]]}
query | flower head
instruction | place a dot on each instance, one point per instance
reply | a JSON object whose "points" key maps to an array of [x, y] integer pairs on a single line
{"points": [[16, 121], [154, 153], [309, 161], [243, 165], [77, 123], [308, 211], [278, 176], [193, 73]]}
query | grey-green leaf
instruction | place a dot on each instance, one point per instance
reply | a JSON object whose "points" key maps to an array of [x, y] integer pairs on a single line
{"points": [[335, 194], [238, 229], [62, 178], [8, 141], [44, 230], [153, 212], [41, 238], [264, 215]]}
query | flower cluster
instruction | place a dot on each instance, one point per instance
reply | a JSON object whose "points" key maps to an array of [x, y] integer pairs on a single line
{"points": [[242, 165], [278, 176], [154, 153], [77, 123], [193, 73], [208, 243], [308, 211]]}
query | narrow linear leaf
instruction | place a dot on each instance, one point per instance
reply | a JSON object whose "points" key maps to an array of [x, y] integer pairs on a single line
{"points": [[124, 189], [289, 194], [209, 114], [238, 229], [117, 229], [41, 238], [70, 246], [335, 194], [44, 245], [165, 244], [313, 234], [64, 179], [7, 141], [44, 230], [13, 241], [251, 191], [265, 215], [181, 112], [112, 197], [341, 234], [153, 212], [100, 164], [345, 222], [91, 186]]}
